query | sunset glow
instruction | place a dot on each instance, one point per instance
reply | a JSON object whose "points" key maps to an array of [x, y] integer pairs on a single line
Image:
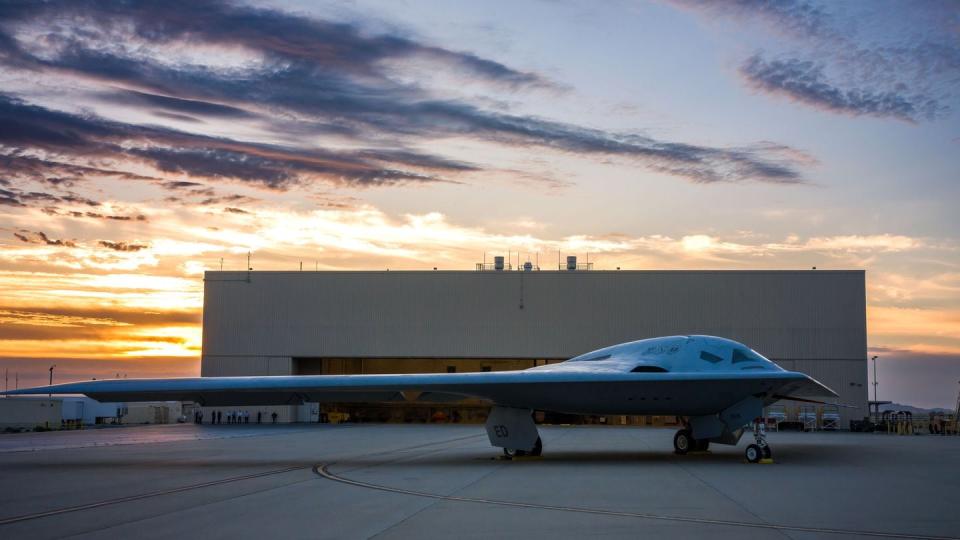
{"points": [[139, 148]]}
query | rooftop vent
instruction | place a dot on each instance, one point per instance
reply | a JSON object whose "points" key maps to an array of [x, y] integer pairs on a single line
{"points": [[573, 265]]}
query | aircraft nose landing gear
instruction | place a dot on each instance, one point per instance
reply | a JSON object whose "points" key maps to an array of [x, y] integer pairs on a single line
{"points": [[760, 450]]}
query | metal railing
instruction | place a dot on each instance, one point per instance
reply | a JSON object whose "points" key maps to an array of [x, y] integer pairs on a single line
{"points": [[488, 267]]}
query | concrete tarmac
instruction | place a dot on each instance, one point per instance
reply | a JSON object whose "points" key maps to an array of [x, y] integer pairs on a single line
{"points": [[442, 481]]}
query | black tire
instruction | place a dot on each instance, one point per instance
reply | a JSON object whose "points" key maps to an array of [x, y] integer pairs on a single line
{"points": [[753, 453], [683, 442], [537, 450], [701, 445], [512, 453], [767, 453]]}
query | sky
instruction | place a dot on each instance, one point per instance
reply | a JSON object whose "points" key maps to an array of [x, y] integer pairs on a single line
{"points": [[142, 143]]}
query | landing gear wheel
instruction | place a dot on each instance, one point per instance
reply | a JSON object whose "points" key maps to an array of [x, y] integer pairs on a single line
{"points": [[537, 450], [767, 454], [683, 441], [753, 453], [701, 445]]}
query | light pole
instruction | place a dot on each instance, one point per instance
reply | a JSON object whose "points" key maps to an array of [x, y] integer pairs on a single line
{"points": [[51, 379], [876, 404]]}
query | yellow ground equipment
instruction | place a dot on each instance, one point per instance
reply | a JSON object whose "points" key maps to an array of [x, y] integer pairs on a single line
{"points": [[337, 417]]}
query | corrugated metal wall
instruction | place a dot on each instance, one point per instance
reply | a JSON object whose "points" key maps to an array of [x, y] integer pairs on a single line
{"points": [[255, 326]]}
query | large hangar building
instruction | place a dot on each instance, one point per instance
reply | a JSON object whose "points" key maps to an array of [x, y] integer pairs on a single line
{"points": [[305, 323]]}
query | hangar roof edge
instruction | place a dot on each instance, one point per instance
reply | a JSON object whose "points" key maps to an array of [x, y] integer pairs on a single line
{"points": [[551, 272]]}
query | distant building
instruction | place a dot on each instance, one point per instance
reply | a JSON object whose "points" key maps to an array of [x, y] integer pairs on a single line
{"points": [[27, 412], [30, 412], [300, 323]]}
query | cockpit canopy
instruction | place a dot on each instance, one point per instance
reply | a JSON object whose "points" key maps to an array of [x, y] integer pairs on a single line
{"points": [[675, 354]]}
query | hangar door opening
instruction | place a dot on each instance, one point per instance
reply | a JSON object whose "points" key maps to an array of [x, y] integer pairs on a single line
{"points": [[465, 411]]}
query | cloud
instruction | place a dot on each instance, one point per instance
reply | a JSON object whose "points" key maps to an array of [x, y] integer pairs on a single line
{"points": [[897, 62], [52, 211], [138, 217], [55, 173], [70, 368], [876, 242], [232, 199], [299, 76], [903, 290], [794, 16], [122, 246], [33, 315], [57, 320], [183, 108], [930, 330], [182, 184], [10, 198], [39, 237], [96, 290], [804, 81], [18, 197], [278, 35], [168, 150]]}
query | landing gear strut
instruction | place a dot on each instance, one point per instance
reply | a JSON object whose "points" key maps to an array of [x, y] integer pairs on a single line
{"points": [[760, 449], [513, 430]]}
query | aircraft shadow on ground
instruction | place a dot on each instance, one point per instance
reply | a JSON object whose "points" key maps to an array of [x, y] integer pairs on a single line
{"points": [[804, 455], [794, 453]]}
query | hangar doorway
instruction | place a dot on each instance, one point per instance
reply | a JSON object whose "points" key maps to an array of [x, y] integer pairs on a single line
{"points": [[468, 411], [465, 411], [383, 366]]}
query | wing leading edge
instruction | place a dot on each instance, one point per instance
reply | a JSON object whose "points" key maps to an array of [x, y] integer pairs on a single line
{"points": [[602, 393]]}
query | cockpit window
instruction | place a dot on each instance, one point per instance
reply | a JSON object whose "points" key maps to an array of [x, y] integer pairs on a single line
{"points": [[741, 355], [712, 358], [648, 369]]}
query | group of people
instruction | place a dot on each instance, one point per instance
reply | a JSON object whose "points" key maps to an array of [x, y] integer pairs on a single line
{"points": [[232, 417]]}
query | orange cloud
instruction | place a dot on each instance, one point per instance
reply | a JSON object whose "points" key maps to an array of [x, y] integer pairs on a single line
{"points": [[96, 301], [932, 331]]}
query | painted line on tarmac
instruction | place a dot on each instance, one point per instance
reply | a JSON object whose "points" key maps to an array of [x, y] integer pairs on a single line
{"points": [[108, 502], [323, 470]]}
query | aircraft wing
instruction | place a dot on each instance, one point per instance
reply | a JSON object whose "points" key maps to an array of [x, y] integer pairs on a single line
{"points": [[547, 390]]}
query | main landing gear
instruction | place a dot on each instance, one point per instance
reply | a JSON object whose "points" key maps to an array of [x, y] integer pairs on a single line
{"points": [[760, 449], [684, 442], [536, 451], [513, 430]]}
